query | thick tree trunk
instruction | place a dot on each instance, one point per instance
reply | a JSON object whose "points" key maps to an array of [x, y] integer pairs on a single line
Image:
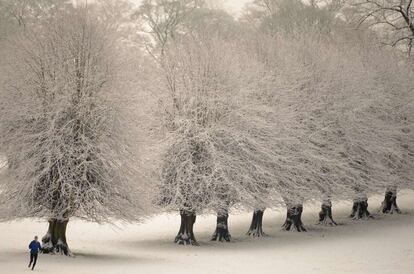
{"points": [[256, 227], [294, 218], [325, 215], [222, 229], [360, 208], [185, 235], [55, 239], [389, 205]]}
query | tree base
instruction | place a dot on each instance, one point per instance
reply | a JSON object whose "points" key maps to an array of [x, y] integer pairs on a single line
{"points": [[360, 209], [325, 215], [54, 242], [185, 235], [256, 227], [294, 219], [222, 229], [389, 205]]}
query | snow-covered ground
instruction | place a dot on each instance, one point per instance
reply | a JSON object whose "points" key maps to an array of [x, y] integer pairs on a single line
{"points": [[382, 245]]}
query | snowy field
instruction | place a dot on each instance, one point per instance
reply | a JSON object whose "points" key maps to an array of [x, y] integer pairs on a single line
{"points": [[382, 245]]}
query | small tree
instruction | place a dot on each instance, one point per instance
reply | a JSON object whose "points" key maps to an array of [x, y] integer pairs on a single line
{"points": [[62, 128]]}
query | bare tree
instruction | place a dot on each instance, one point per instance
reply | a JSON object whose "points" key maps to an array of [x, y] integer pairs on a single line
{"points": [[392, 18], [25, 11], [161, 19], [292, 16]]}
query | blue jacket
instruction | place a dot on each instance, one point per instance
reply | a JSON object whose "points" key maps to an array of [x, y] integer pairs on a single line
{"points": [[34, 247]]}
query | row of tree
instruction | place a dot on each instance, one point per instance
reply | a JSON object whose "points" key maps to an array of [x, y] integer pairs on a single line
{"points": [[111, 112]]}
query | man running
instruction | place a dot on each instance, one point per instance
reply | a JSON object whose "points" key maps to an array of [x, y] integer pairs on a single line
{"points": [[34, 247]]}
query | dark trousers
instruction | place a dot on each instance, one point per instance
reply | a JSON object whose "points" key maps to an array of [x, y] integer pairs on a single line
{"points": [[33, 259]]}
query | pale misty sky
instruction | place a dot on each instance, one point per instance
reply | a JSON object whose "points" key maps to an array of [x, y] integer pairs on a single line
{"points": [[233, 6]]}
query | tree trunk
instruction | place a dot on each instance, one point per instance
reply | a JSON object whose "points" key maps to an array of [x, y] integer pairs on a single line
{"points": [[325, 215], [389, 205], [256, 227], [185, 235], [222, 229], [360, 208], [55, 239], [294, 218]]}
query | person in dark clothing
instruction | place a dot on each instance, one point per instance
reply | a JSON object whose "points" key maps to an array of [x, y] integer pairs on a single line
{"points": [[34, 247]]}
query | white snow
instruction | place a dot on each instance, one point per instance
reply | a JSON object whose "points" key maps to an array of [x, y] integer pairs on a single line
{"points": [[382, 245]]}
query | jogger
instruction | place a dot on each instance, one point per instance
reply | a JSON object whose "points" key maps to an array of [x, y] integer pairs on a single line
{"points": [[34, 247]]}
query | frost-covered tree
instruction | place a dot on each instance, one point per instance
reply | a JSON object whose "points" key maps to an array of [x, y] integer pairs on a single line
{"points": [[400, 122], [273, 18], [392, 19], [343, 122], [176, 30], [312, 127], [215, 153], [21, 13], [161, 19], [64, 128], [290, 16]]}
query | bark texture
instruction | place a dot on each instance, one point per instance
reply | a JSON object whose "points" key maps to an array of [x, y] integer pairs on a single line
{"points": [[389, 205], [294, 218], [55, 239], [185, 235], [222, 229], [256, 227], [325, 215], [360, 208]]}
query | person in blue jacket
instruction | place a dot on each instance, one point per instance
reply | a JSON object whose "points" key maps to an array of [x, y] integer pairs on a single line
{"points": [[34, 247]]}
